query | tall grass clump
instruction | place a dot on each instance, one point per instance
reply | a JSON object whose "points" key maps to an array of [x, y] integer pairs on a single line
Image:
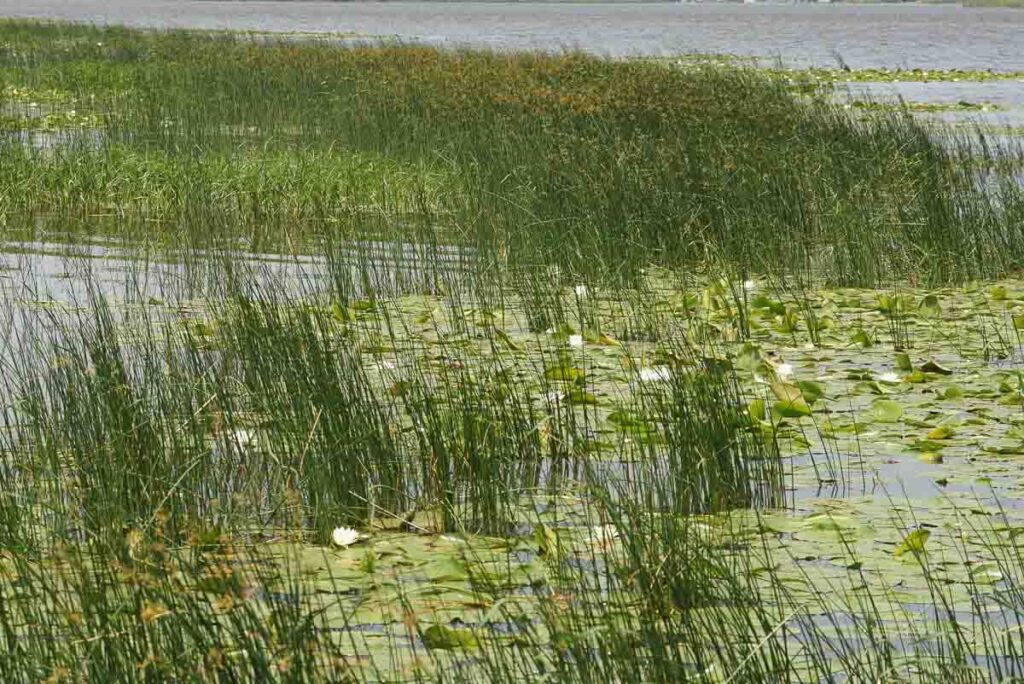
{"points": [[715, 458], [595, 165]]}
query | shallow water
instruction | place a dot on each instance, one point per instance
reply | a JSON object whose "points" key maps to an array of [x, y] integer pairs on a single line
{"points": [[66, 272], [801, 34], [1003, 100]]}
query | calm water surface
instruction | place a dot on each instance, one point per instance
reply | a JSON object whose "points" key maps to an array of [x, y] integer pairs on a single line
{"points": [[801, 34]]}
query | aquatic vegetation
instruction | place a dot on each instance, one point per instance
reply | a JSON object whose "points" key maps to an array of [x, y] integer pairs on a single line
{"points": [[518, 157], [253, 424], [886, 75], [373, 362], [961, 106]]}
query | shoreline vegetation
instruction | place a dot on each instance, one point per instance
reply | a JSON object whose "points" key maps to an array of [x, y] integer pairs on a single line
{"points": [[378, 362]]}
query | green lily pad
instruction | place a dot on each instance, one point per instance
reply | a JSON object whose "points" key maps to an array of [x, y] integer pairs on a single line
{"points": [[886, 411], [812, 391], [447, 570], [941, 432], [580, 397], [932, 366], [913, 542], [440, 637], [565, 374], [791, 402]]}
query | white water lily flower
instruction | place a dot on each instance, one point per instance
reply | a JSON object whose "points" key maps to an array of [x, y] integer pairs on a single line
{"points": [[580, 290], [889, 377], [655, 374], [749, 285], [345, 536], [783, 370], [576, 341]]}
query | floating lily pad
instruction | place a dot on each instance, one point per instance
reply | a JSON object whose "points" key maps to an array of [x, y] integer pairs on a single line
{"points": [[886, 411], [913, 543], [440, 637], [565, 374], [932, 366]]}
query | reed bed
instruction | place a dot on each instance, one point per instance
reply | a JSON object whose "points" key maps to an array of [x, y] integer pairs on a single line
{"points": [[374, 362], [600, 167]]}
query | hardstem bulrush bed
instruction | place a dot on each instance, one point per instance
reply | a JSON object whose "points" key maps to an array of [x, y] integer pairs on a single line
{"points": [[378, 362]]}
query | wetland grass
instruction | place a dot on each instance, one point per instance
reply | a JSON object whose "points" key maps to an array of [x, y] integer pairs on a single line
{"points": [[572, 344], [600, 167]]}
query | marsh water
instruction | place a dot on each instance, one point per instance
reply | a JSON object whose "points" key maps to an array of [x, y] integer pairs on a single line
{"points": [[904, 35]]}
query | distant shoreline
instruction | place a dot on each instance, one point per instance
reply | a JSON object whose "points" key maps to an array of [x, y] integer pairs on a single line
{"points": [[923, 3]]}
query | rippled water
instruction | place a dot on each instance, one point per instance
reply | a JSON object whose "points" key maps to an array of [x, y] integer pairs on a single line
{"points": [[866, 35], [1003, 101], [68, 271]]}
